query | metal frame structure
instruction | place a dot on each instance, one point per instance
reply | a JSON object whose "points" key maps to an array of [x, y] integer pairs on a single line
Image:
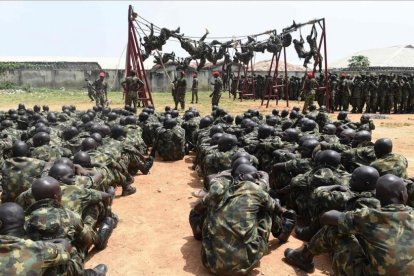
{"points": [[134, 60], [272, 91], [244, 93]]}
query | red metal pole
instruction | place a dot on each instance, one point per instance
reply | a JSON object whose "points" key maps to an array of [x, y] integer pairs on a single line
{"points": [[327, 94], [286, 79]]}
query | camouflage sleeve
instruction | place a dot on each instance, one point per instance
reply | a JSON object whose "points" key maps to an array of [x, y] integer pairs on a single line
{"points": [[353, 222], [94, 196], [52, 254], [218, 187], [297, 166]]}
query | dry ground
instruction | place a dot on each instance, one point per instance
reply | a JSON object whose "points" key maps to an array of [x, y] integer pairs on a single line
{"points": [[153, 236]]}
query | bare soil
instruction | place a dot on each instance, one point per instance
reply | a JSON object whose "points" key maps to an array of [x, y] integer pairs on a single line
{"points": [[153, 236]]}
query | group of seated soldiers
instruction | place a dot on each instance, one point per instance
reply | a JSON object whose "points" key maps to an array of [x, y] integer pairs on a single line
{"points": [[59, 172], [326, 181]]}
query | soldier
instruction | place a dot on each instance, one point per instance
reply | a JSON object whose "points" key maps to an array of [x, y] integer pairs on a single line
{"points": [[356, 94], [91, 89], [388, 162], [132, 84], [393, 100], [180, 89], [373, 89], [405, 94], [21, 256], [169, 141], [344, 92], [411, 95], [308, 91], [237, 249], [19, 172], [101, 88], [383, 92], [217, 87], [385, 233], [194, 88]]}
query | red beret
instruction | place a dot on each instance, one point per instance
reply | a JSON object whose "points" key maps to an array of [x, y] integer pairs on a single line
{"points": [[216, 73], [310, 75]]}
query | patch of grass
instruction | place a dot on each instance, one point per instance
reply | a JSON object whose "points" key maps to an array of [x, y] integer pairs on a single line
{"points": [[56, 98]]}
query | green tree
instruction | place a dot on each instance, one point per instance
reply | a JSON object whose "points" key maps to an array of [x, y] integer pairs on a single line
{"points": [[358, 63]]}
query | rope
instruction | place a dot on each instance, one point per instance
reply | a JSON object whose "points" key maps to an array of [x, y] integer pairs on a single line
{"points": [[162, 64]]}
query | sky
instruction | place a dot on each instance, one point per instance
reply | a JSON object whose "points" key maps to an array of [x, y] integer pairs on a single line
{"points": [[99, 28]]}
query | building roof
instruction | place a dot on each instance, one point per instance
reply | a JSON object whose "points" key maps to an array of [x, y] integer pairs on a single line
{"points": [[395, 56]]}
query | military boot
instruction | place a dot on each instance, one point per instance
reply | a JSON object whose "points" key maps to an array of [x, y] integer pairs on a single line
{"points": [[147, 166], [99, 270], [288, 223], [301, 258], [104, 233], [305, 233], [128, 190]]}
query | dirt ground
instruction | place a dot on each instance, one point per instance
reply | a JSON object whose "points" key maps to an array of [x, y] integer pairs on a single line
{"points": [[154, 237]]}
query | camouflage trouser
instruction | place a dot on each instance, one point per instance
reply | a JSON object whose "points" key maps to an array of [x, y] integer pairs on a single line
{"points": [[308, 101], [194, 94], [348, 256], [381, 103], [404, 103], [411, 102], [365, 101], [397, 103], [100, 99], [215, 98], [180, 98], [321, 98], [247, 257], [91, 94], [345, 102], [356, 104], [389, 103], [132, 98], [374, 104]]}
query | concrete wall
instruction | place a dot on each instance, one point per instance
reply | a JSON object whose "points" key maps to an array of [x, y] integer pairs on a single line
{"points": [[58, 78], [75, 79]]}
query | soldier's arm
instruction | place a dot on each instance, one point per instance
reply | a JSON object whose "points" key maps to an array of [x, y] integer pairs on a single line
{"points": [[53, 253]]}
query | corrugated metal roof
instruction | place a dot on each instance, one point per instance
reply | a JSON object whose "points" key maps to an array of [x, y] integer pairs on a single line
{"points": [[395, 56]]}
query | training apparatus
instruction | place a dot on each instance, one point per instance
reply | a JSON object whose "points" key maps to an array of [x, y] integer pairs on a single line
{"points": [[134, 60], [272, 89], [274, 83]]}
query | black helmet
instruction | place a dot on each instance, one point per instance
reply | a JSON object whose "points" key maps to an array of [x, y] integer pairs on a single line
{"points": [[264, 131]]}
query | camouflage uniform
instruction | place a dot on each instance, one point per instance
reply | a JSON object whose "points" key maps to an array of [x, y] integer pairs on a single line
{"points": [[181, 87], [362, 155], [216, 95], [50, 153], [372, 242], [356, 95], [170, 143], [132, 85], [194, 90], [101, 88], [303, 185], [47, 219], [231, 247], [396, 94], [405, 94], [19, 256], [18, 176], [392, 163], [309, 90], [383, 94]]}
